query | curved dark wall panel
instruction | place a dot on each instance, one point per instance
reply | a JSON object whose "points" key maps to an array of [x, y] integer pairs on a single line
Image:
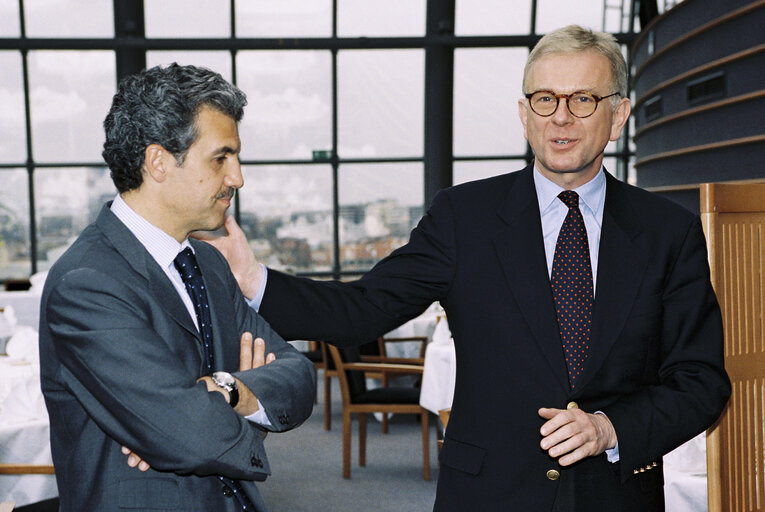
{"points": [[699, 82]]}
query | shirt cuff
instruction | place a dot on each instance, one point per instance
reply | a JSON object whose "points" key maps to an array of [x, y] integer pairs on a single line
{"points": [[258, 298], [260, 417]]}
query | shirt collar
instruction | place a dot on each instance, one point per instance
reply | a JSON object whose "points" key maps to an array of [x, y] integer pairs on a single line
{"points": [[162, 247], [592, 193]]}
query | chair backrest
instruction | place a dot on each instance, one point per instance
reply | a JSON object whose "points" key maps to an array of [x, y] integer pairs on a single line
{"points": [[733, 216], [352, 383], [26, 469]]}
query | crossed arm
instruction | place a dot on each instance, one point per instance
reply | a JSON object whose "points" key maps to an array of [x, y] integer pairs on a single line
{"points": [[252, 354]]}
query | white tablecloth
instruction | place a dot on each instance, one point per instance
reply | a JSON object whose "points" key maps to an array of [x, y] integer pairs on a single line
{"points": [[24, 427], [26, 306], [440, 370]]}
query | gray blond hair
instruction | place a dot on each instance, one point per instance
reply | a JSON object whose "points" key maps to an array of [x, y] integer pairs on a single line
{"points": [[160, 106], [573, 39]]}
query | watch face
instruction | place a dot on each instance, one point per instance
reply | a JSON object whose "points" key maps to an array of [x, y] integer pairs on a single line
{"points": [[224, 378]]}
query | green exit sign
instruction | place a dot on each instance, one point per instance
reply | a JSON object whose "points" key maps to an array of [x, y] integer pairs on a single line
{"points": [[322, 154]]}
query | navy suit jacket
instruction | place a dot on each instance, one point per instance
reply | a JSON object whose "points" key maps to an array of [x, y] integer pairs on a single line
{"points": [[119, 357], [656, 362]]}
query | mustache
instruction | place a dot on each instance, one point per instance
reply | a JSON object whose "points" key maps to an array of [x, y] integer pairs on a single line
{"points": [[226, 194]]}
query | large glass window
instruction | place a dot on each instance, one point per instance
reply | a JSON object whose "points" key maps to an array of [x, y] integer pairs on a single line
{"points": [[492, 17], [380, 103], [68, 199], [487, 86], [218, 61], [289, 103], [284, 18], [286, 213], [384, 18], [379, 206], [86, 18], [15, 249], [12, 125], [71, 92], [9, 19], [333, 137], [187, 18]]}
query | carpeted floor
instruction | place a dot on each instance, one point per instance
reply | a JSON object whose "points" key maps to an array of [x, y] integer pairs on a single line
{"points": [[306, 466]]}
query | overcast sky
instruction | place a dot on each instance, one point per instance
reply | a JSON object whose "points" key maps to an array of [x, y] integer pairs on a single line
{"points": [[289, 112]]}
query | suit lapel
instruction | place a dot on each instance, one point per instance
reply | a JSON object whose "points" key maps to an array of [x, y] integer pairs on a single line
{"points": [[139, 258], [520, 249], [621, 265]]}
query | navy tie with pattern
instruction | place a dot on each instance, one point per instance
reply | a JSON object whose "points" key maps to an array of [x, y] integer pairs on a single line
{"points": [[571, 281], [186, 264]]}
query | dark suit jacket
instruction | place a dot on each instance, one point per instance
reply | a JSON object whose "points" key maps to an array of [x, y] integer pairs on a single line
{"points": [[656, 366], [119, 356]]}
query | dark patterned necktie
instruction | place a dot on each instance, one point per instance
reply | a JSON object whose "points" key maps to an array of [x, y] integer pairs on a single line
{"points": [[186, 264], [571, 281]]}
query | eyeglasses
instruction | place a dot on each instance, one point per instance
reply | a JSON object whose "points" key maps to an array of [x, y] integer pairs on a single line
{"points": [[580, 103]]}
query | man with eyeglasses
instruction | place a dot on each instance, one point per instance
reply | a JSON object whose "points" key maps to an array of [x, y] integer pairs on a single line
{"points": [[588, 337]]}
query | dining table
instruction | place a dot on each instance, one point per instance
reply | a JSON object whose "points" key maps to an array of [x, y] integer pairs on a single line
{"points": [[24, 424]]}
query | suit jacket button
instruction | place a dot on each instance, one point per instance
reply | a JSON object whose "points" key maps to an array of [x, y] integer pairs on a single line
{"points": [[254, 461], [553, 474], [284, 419], [227, 492], [572, 405]]}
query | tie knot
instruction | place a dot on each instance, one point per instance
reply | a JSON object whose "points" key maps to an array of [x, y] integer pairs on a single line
{"points": [[569, 198], [186, 264]]}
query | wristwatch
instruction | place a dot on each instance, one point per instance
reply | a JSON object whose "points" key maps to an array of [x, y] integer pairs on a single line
{"points": [[226, 381]]}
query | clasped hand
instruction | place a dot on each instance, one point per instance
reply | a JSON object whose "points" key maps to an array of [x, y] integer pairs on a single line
{"points": [[252, 354], [571, 435]]}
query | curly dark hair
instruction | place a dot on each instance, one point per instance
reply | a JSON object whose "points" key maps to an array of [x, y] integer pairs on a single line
{"points": [[159, 106]]}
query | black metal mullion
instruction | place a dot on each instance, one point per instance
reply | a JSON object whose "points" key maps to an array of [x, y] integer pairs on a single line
{"points": [[439, 99], [336, 264], [30, 164], [234, 79]]}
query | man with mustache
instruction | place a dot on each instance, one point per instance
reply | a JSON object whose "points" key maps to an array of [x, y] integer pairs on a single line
{"points": [[146, 342]]}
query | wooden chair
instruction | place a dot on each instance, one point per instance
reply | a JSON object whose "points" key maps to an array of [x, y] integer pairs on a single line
{"points": [[384, 358], [26, 469], [329, 372], [22, 469], [443, 414], [733, 216], [315, 355], [358, 400]]}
